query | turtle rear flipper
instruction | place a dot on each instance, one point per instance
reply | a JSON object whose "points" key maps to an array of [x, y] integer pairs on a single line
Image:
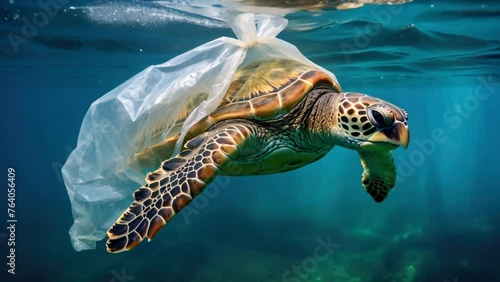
{"points": [[174, 185], [379, 174]]}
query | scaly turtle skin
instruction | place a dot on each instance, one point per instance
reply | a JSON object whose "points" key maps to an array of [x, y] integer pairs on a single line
{"points": [[276, 116], [259, 91]]}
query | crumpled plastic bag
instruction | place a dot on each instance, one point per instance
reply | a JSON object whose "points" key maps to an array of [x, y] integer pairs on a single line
{"points": [[103, 171]]}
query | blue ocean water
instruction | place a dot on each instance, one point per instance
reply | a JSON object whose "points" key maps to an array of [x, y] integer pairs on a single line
{"points": [[437, 59]]}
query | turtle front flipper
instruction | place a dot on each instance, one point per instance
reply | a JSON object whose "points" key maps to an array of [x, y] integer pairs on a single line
{"points": [[175, 184], [380, 173]]}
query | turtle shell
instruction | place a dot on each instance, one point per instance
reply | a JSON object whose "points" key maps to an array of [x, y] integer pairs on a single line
{"points": [[263, 90]]}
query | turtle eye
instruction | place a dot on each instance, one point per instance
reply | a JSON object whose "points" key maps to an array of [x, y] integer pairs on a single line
{"points": [[381, 117]]}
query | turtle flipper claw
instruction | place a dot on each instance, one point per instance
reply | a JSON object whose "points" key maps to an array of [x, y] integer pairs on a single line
{"points": [[379, 174], [172, 187]]}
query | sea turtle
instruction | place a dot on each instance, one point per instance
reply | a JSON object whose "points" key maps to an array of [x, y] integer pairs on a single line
{"points": [[276, 116]]}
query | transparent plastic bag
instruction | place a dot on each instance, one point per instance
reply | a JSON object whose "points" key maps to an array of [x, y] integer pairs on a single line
{"points": [[103, 171]]}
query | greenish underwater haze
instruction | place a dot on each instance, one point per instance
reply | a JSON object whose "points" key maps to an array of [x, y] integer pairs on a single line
{"points": [[439, 60]]}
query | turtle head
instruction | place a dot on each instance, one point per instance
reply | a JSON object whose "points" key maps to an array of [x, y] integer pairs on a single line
{"points": [[371, 124]]}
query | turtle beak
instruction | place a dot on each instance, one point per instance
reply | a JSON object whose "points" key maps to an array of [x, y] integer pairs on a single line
{"points": [[398, 134]]}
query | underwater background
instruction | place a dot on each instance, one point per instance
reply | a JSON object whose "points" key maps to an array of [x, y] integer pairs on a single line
{"points": [[437, 59]]}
